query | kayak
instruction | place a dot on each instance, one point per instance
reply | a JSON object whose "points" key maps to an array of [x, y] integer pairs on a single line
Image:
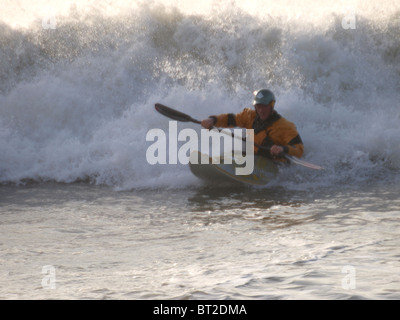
{"points": [[202, 166]]}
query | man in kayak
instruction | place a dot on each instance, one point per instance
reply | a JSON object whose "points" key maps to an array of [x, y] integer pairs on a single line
{"points": [[271, 130]]}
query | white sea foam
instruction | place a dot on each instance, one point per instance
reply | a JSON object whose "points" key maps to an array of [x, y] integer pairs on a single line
{"points": [[77, 100]]}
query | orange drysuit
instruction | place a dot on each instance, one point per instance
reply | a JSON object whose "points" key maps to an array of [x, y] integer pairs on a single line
{"points": [[276, 130]]}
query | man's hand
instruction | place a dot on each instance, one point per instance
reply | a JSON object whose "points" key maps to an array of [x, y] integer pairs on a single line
{"points": [[276, 150], [208, 123]]}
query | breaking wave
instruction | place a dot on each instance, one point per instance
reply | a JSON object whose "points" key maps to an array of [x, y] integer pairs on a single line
{"points": [[78, 85]]}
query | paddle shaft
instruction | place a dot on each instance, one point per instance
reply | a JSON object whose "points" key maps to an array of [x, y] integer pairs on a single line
{"points": [[284, 155]]}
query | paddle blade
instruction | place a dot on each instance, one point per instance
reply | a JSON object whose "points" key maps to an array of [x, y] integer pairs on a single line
{"points": [[303, 163], [174, 114]]}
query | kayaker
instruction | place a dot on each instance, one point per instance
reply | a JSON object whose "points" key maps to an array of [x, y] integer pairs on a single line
{"points": [[271, 130]]}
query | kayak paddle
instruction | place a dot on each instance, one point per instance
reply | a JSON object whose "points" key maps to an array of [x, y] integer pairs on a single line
{"points": [[180, 116]]}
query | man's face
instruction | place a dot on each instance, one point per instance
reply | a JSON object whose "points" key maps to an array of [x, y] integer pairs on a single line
{"points": [[264, 110]]}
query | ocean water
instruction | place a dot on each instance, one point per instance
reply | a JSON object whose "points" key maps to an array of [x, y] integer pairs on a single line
{"points": [[78, 241], [84, 215]]}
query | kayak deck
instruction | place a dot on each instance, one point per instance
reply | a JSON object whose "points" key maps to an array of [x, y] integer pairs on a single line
{"points": [[203, 167]]}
